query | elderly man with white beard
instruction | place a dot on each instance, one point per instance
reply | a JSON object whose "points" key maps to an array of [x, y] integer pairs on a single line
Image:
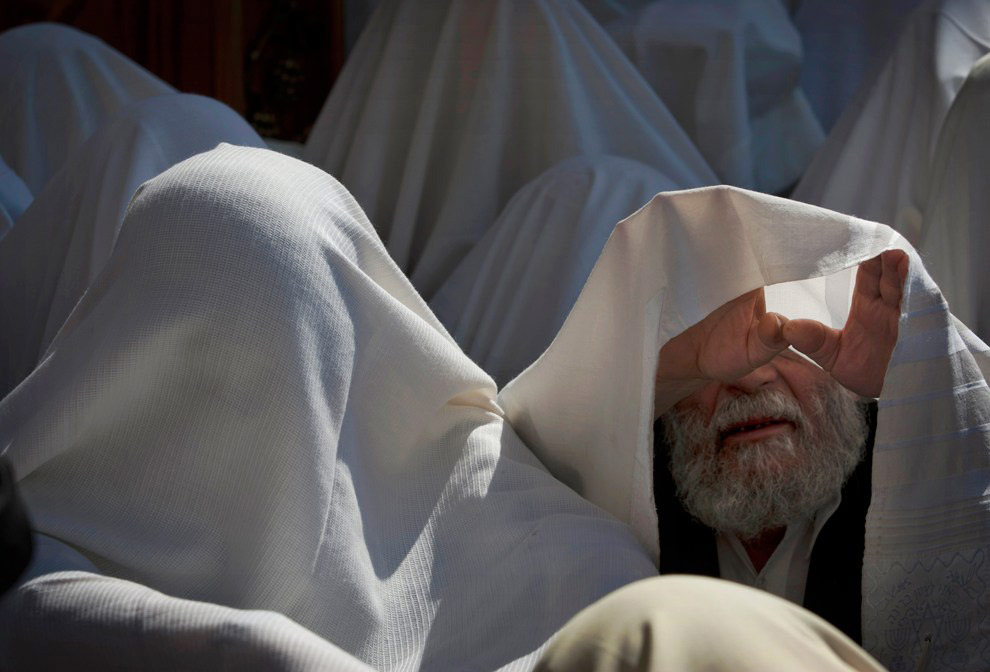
{"points": [[764, 474]]}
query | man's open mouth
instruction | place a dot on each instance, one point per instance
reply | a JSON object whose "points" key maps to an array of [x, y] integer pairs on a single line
{"points": [[754, 429]]}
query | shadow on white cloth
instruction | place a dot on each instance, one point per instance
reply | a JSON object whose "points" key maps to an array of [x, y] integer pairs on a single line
{"points": [[65, 237], [445, 109], [728, 71], [876, 162], [57, 86]]}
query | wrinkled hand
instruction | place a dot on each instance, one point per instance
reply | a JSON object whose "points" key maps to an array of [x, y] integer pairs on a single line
{"points": [[740, 336]]}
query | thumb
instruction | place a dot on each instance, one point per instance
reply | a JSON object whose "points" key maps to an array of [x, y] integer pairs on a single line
{"points": [[814, 339], [767, 339]]}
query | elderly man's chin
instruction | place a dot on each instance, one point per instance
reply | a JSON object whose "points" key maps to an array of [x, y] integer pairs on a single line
{"points": [[762, 461]]}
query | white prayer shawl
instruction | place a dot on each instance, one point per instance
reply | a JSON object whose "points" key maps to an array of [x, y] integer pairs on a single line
{"points": [[252, 407], [842, 43], [14, 198], [64, 238], [586, 406], [876, 162], [509, 296], [957, 212], [445, 109], [728, 71], [47, 62]]}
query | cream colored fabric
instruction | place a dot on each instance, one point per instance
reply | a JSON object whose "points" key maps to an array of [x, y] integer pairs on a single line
{"points": [[876, 162], [957, 211], [446, 109], [586, 405], [728, 71], [57, 86], [63, 240], [252, 407], [697, 624]]}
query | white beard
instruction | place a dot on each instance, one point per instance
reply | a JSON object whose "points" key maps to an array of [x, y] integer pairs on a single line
{"points": [[754, 486]]}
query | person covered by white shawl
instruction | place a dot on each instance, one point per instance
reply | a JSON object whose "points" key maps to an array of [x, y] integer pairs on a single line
{"points": [[954, 240], [445, 110], [59, 85], [876, 163], [728, 71]]}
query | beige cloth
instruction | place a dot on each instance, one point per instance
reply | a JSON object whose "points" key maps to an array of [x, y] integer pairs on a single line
{"points": [[697, 624]]}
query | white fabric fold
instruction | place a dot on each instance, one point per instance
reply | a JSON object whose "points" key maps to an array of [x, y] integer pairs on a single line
{"points": [[509, 296], [728, 71], [89, 82], [586, 406], [445, 109], [252, 408], [65, 237], [876, 162], [954, 240]]}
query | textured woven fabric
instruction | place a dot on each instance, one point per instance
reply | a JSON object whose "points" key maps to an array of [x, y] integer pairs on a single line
{"points": [[253, 408], [62, 241], [445, 109], [586, 405], [876, 162], [57, 86]]}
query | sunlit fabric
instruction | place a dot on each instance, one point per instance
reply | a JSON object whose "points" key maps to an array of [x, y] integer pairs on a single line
{"points": [[42, 64], [445, 109]]}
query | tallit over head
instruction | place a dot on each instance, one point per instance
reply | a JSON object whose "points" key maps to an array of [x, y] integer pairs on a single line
{"points": [[252, 411], [65, 237], [586, 406], [728, 71], [445, 109], [46, 62], [876, 162]]}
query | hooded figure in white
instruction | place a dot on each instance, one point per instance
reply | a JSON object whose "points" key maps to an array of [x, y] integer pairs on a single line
{"points": [[57, 86], [446, 109], [728, 71], [876, 163]]}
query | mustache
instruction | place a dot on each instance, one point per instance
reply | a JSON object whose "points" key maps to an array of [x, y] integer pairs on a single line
{"points": [[743, 410]]}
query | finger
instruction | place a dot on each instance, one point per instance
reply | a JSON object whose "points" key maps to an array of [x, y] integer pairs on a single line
{"points": [[767, 339], [814, 339], [868, 278], [893, 276]]}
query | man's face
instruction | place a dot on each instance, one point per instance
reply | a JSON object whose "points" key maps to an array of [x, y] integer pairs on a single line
{"points": [[766, 449]]}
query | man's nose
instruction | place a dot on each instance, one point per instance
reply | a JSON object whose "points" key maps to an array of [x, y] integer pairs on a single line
{"points": [[757, 378]]}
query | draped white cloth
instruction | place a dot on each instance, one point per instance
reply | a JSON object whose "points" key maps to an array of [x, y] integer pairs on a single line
{"points": [[954, 240], [876, 162], [728, 71], [65, 237], [509, 296], [252, 407], [57, 86], [445, 109], [586, 405]]}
